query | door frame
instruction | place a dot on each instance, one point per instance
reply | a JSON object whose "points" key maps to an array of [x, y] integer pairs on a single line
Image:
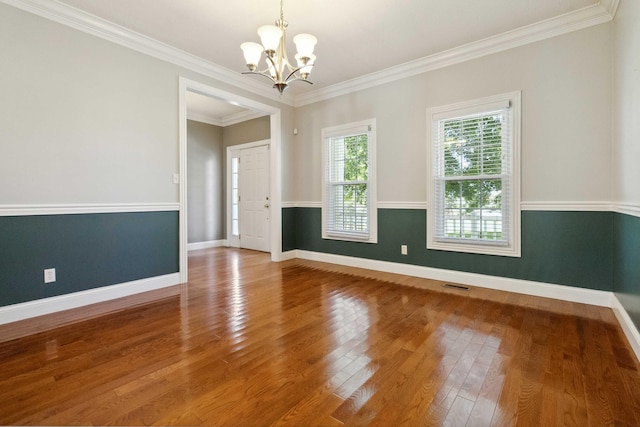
{"points": [[230, 150], [275, 149]]}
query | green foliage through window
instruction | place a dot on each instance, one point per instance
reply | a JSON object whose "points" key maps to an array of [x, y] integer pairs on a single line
{"points": [[473, 177], [349, 182]]}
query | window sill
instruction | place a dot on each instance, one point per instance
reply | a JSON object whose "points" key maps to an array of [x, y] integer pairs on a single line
{"points": [[350, 238], [476, 248]]}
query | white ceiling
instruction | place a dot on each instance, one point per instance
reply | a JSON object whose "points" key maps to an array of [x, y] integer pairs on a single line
{"points": [[355, 37], [216, 112]]}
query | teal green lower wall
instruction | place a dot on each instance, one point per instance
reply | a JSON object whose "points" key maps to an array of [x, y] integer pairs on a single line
{"points": [[567, 248], [626, 278], [87, 250], [596, 250], [289, 224]]}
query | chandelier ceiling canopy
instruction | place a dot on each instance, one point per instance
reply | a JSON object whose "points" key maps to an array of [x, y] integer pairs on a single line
{"points": [[278, 68]]}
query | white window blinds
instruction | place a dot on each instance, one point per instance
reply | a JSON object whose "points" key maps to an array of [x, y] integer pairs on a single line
{"points": [[349, 185], [473, 178]]}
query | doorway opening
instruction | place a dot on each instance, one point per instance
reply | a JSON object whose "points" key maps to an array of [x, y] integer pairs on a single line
{"points": [[272, 159]]}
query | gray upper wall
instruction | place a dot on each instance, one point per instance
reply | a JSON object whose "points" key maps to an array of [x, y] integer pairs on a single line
{"points": [[566, 119], [250, 131], [626, 129], [626, 156], [206, 165], [107, 119], [86, 121], [205, 168]]}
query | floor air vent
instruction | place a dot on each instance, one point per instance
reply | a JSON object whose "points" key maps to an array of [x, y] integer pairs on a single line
{"points": [[459, 287]]}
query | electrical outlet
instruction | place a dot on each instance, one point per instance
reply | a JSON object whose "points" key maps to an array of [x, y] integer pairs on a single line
{"points": [[176, 178], [403, 249], [49, 275]]}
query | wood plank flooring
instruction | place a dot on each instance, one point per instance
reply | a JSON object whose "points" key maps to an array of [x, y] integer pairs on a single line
{"points": [[253, 343]]}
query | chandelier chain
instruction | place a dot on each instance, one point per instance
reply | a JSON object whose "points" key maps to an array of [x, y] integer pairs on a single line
{"points": [[281, 10]]}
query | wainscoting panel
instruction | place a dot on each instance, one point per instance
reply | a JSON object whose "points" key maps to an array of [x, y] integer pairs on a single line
{"points": [[559, 247], [87, 250], [626, 279]]}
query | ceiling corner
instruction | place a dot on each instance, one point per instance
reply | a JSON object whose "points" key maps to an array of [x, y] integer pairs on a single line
{"points": [[203, 118], [611, 6]]}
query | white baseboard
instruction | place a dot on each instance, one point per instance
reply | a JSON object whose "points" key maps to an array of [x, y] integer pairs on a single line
{"points": [[547, 290], [285, 256], [629, 328], [206, 245], [26, 310]]}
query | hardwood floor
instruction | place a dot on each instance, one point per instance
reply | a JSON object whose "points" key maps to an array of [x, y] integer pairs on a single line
{"points": [[254, 343]]}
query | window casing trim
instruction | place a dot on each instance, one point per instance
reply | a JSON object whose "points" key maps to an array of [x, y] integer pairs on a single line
{"points": [[513, 247], [351, 129]]}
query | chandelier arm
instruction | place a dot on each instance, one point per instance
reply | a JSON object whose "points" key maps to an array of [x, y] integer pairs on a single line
{"points": [[295, 71], [298, 79], [261, 74], [275, 67]]}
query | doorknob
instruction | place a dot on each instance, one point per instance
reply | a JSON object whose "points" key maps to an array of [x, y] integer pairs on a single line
{"points": [[266, 205]]}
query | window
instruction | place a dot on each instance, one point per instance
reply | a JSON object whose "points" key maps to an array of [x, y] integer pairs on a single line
{"points": [[235, 196], [474, 180], [349, 192]]}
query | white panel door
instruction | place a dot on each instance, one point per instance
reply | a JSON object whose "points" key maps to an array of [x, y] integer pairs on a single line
{"points": [[254, 198]]}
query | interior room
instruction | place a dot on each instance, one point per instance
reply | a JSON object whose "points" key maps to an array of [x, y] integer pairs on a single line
{"points": [[369, 213]]}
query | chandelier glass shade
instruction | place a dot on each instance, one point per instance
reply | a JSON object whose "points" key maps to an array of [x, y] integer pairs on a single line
{"points": [[273, 45]]}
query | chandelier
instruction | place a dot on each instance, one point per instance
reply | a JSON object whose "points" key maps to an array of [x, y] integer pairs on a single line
{"points": [[279, 70]]}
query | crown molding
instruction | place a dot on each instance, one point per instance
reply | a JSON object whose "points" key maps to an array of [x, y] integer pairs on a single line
{"points": [[611, 6], [242, 116], [203, 118], [96, 26], [563, 24], [229, 120], [64, 14]]}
